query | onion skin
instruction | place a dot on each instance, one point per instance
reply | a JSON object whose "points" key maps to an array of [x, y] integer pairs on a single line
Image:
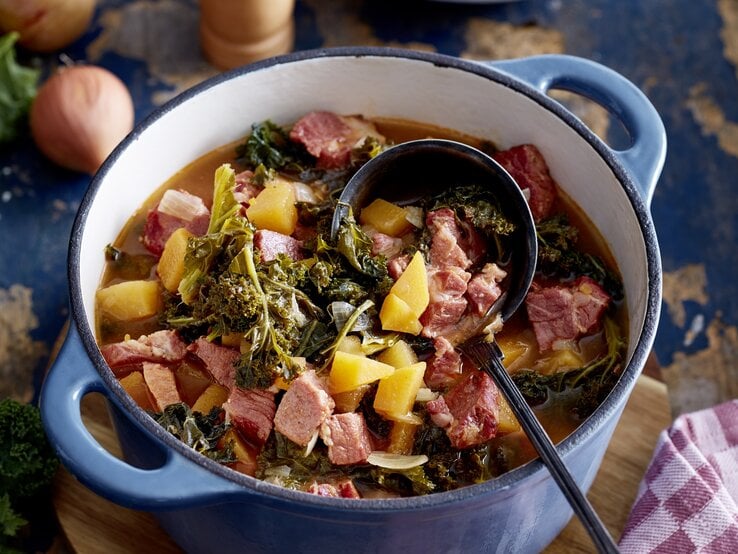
{"points": [[79, 115], [46, 25]]}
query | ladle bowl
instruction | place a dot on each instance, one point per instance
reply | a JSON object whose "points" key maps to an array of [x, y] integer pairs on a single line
{"points": [[411, 171]]}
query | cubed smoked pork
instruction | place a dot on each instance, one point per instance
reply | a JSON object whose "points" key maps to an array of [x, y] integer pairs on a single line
{"points": [[271, 244], [251, 412], [220, 361], [303, 408], [331, 137], [526, 165], [469, 412], [162, 346], [347, 438], [562, 313]]}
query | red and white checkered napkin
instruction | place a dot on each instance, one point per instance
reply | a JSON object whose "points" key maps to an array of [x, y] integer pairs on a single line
{"points": [[688, 499]]}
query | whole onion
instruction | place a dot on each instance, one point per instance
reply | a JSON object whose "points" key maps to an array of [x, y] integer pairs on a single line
{"points": [[46, 25], [79, 115]]}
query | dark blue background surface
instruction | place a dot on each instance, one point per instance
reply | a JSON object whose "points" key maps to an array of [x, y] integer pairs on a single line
{"points": [[666, 48]]}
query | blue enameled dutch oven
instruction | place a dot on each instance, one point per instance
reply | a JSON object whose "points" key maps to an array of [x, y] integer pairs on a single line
{"points": [[209, 508]]}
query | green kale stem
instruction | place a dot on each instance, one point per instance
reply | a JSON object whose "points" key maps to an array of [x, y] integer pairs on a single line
{"points": [[345, 330]]}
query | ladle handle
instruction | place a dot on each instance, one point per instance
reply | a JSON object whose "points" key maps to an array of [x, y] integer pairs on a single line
{"points": [[644, 157], [488, 358]]}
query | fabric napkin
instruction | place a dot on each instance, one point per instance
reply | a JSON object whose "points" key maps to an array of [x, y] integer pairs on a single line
{"points": [[688, 499]]}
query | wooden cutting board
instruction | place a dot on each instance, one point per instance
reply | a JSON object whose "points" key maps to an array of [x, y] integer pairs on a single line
{"points": [[92, 524]]}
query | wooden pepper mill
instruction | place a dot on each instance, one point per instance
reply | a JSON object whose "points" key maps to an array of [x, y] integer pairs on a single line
{"points": [[237, 32]]}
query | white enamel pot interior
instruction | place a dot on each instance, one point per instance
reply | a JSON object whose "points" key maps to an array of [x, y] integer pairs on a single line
{"points": [[480, 100]]}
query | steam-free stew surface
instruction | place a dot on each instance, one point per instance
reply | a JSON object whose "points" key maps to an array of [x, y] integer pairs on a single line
{"points": [[563, 382]]}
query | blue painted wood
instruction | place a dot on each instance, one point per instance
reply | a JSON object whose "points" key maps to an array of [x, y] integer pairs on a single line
{"points": [[666, 48]]}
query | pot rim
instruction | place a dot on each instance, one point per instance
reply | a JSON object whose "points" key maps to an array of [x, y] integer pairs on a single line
{"points": [[531, 470]]}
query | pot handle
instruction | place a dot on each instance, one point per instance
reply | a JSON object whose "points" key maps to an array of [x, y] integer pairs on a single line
{"points": [[644, 158], [178, 483]]}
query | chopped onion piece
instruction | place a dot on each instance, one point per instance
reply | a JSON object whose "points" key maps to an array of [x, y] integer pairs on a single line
{"points": [[342, 311], [425, 395], [311, 443], [388, 460], [305, 193], [407, 418], [182, 205], [278, 471], [414, 215]]}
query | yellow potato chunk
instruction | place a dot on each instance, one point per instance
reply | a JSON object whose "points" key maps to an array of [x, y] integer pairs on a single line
{"points": [[507, 422], [274, 208], [135, 385], [212, 397], [412, 285], [348, 401], [399, 354], [171, 263], [350, 371], [232, 339], [402, 438], [512, 348], [386, 218], [130, 300], [396, 315], [244, 453], [396, 393], [561, 360], [350, 344]]}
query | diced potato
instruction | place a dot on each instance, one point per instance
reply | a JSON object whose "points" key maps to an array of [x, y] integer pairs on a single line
{"points": [[274, 208], [560, 360], [350, 344], [191, 382], [412, 285], [396, 393], [171, 263], [399, 354], [386, 218], [396, 315], [507, 422], [232, 339], [402, 438], [244, 453], [348, 401], [513, 348], [130, 300], [350, 371], [135, 385], [212, 397]]}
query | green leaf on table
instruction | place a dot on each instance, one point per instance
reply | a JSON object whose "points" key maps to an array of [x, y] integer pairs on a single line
{"points": [[17, 89]]}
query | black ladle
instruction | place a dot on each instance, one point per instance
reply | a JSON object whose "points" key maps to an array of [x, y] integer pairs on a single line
{"points": [[412, 171]]}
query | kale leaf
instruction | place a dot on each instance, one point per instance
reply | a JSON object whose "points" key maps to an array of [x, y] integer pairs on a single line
{"points": [[558, 256], [270, 145], [17, 89], [201, 432]]}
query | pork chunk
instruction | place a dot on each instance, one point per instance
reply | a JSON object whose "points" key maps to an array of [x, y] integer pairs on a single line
{"points": [[469, 412], [561, 313], [347, 437], [303, 408]]}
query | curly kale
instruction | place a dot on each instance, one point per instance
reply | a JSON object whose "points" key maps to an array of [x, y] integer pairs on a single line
{"points": [[558, 256], [270, 145], [201, 432], [447, 467], [27, 460], [590, 383], [27, 466]]}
